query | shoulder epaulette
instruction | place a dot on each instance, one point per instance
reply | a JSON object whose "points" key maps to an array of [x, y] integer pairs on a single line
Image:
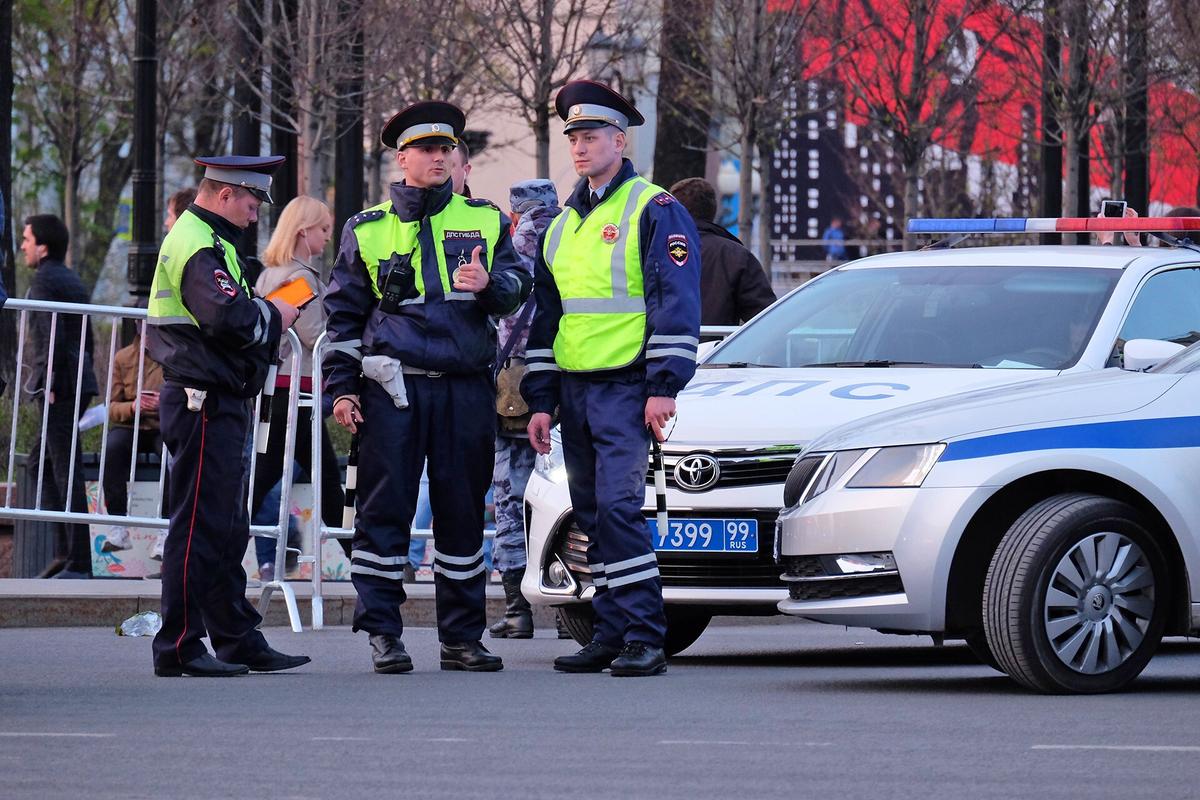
{"points": [[663, 198], [480, 202], [370, 215]]}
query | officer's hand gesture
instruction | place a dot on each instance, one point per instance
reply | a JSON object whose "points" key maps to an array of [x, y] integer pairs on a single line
{"points": [[471, 277], [659, 411], [287, 313], [539, 432], [347, 412]]}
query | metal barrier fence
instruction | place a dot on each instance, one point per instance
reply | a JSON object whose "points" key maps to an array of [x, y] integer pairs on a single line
{"points": [[118, 315]]}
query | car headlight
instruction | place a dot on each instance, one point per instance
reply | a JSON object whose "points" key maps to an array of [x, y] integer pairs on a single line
{"points": [[896, 466], [552, 466]]}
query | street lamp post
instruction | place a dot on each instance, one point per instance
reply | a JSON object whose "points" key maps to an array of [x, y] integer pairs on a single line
{"points": [[143, 247]]}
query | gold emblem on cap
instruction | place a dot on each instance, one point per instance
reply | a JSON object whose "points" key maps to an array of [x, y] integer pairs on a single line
{"points": [[576, 111]]}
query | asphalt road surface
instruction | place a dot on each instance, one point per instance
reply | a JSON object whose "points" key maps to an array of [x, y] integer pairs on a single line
{"points": [[790, 710]]}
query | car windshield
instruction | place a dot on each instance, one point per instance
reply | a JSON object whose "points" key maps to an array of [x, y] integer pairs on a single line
{"points": [[969, 316]]}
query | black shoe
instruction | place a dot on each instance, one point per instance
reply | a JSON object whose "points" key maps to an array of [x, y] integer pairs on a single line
{"points": [[639, 659], [594, 657], [389, 655], [205, 666], [469, 656], [53, 568], [518, 616], [72, 575], [270, 660]]}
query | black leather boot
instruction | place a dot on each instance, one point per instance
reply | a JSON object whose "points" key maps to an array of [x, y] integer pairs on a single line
{"points": [[470, 657], [388, 654], [638, 659], [594, 657], [518, 616]]}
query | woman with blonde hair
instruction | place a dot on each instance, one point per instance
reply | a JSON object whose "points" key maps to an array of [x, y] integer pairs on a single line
{"points": [[304, 229]]}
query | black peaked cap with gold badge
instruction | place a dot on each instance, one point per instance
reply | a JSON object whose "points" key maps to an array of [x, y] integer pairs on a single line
{"points": [[426, 122], [588, 104], [249, 172]]}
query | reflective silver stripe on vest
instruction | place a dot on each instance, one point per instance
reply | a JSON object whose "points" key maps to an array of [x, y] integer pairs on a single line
{"points": [[604, 305], [542, 367], [663, 352], [164, 294], [539, 353], [461, 296], [616, 264], [170, 320], [656, 338], [554, 237]]}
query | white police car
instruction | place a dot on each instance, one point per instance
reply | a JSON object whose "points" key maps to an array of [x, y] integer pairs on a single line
{"points": [[1054, 525], [876, 334]]}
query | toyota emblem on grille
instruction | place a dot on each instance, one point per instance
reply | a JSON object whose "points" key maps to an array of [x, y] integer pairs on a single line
{"points": [[697, 472]]}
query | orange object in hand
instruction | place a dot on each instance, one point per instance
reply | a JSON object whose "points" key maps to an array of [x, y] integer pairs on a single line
{"points": [[296, 293]]}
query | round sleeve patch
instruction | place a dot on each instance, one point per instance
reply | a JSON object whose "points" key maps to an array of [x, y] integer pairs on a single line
{"points": [[677, 248], [224, 283]]}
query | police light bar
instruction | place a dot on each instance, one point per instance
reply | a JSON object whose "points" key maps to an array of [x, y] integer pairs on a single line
{"points": [[1052, 224]]}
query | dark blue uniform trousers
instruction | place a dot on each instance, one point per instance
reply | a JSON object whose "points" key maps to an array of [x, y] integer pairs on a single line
{"points": [[203, 583], [451, 422], [607, 452]]}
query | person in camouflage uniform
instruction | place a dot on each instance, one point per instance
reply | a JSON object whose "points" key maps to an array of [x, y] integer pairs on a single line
{"points": [[534, 206]]}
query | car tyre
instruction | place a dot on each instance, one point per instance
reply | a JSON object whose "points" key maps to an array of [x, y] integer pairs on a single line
{"points": [[1076, 596], [977, 644], [684, 625]]}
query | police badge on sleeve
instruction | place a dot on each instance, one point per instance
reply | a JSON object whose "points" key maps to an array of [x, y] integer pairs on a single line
{"points": [[677, 248], [225, 283]]}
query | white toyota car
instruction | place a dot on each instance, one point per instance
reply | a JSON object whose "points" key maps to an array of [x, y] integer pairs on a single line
{"points": [[1054, 525], [872, 335]]}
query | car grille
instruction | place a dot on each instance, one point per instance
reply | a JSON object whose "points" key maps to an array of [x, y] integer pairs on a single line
{"points": [[740, 468], [808, 579], [756, 570], [798, 479]]}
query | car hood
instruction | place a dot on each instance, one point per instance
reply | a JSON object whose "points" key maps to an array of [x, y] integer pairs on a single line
{"points": [[755, 407], [1103, 393]]}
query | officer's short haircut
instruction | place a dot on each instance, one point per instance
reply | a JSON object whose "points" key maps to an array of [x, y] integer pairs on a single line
{"points": [[179, 201], [698, 196], [211, 187], [463, 150], [50, 231]]}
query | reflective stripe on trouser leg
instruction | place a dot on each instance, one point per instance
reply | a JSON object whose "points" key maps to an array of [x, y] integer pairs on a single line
{"points": [[510, 476], [208, 532], [389, 475], [606, 416], [460, 453]]}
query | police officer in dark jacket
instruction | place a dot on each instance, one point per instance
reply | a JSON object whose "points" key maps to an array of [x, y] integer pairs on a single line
{"points": [[416, 280], [44, 245], [733, 285], [613, 341], [215, 341]]}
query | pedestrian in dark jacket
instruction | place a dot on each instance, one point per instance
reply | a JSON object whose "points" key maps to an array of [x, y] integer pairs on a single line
{"points": [[733, 285], [44, 245]]}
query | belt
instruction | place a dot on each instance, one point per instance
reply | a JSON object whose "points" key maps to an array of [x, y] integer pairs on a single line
{"points": [[429, 373]]}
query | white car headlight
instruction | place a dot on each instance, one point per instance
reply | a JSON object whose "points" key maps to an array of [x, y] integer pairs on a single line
{"points": [[552, 466], [896, 466]]}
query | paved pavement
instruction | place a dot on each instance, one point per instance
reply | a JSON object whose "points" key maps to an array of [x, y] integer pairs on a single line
{"points": [[790, 710]]}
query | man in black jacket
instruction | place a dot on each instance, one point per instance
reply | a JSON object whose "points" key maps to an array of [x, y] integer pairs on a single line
{"points": [[733, 286], [44, 245]]}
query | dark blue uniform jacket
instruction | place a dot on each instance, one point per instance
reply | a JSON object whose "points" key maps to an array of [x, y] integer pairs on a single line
{"points": [[672, 291], [452, 336]]}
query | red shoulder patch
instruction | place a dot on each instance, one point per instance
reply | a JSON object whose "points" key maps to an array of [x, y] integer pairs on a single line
{"points": [[224, 283]]}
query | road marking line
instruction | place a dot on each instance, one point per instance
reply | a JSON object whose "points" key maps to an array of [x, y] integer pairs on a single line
{"points": [[738, 742], [341, 739], [447, 739], [1166, 748], [19, 734]]}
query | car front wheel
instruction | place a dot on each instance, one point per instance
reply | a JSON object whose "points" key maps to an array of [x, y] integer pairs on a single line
{"points": [[1076, 596], [684, 625]]}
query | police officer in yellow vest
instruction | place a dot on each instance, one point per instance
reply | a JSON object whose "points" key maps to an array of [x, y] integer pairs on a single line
{"points": [[613, 341], [214, 340], [415, 285]]}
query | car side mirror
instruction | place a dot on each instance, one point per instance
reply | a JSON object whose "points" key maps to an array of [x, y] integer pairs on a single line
{"points": [[1140, 355]]}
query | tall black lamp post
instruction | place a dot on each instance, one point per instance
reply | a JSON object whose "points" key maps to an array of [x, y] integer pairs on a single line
{"points": [[143, 249]]}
